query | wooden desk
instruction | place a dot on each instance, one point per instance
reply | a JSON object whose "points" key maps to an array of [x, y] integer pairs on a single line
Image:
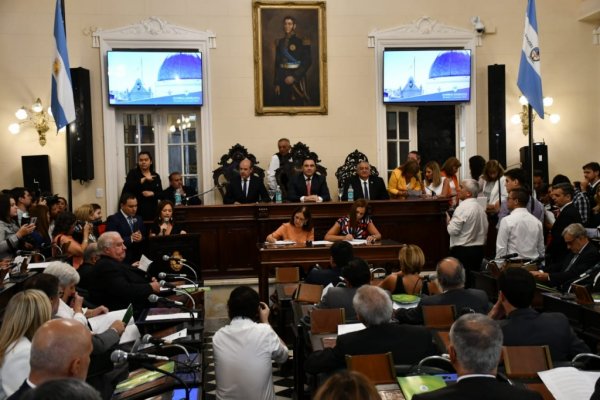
{"points": [[585, 319], [272, 256], [229, 233]]}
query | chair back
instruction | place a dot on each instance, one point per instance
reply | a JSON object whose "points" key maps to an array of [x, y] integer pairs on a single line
{"points": [[326, 320], [524, 362], [378, 368], [287, 274], [308, 293], [439, 316]]}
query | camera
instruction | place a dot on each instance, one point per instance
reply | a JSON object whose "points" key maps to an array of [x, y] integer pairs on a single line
{"points": [[78, 227]]}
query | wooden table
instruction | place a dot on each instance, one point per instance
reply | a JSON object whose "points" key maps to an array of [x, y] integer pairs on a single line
{"points": [[228, 234], [272, 256]]}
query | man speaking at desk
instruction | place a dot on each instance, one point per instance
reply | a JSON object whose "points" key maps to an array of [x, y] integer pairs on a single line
{"points": [[245, 188]]}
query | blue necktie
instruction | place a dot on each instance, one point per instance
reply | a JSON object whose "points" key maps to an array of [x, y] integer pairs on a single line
{"points": [[366, 190]]}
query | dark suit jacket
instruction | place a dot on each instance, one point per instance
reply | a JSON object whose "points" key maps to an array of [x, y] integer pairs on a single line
{"points": [[324, 277], [118, 223], [256, 191], [297, 187], [24, 388], [117, 284], [557, 249], [527, 327], [133, 185], [377, 189], [169, 194], [461, 298], [408, 344], [477, 388], [340, 297], [588, 258]]}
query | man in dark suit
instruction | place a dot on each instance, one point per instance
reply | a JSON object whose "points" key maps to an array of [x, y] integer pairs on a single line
{"points": [[408, 344], [60, 348], [475, 346], [308, 186], [590, 183], [562, 195], [116, 284], [524, 326], [245, 188], [129, 225], [341, 254], [584, 255], [451, 279], [187, 193], [355, 274], [366, 186]]}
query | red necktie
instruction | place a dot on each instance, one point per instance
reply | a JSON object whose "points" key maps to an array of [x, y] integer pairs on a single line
{"points": [[308, 187]]}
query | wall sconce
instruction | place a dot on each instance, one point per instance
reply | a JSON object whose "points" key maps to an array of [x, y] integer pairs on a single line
{"points": [[36, 116], [523, 118]]}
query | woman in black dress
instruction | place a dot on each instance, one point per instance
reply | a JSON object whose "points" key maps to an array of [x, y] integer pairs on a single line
{"points": [[163, 224], [145, 184]]}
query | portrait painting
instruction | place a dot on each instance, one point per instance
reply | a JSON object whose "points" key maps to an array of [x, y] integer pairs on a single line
{"points": [[290, 66]]}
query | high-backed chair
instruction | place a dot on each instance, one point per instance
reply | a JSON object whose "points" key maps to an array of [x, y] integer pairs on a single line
{"points": [[326, 320], [439, 316], [308, 293], [348, 169], [378, 368], [289, 169], [524, 362], [229, 167]]}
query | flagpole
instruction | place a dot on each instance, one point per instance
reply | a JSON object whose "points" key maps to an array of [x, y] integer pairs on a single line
{"points": [[531, 155]]}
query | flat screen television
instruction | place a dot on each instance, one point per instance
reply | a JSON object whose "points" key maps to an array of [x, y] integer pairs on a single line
{"points": [[154, 77], [417, 76]]}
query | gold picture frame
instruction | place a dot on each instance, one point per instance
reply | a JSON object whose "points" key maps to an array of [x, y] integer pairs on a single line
{"points": [[290, 68]]}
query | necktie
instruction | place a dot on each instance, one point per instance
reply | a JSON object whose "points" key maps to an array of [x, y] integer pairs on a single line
{"points": [[572, 262], [366, 190], [245, 187], [130, 220], [308, 186]]}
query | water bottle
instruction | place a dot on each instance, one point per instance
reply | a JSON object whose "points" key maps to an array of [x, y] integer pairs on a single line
{"points": [[278, 195], [177, 198], [350, 194]]}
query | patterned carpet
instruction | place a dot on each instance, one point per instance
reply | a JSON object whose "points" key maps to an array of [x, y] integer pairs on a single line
{"points": [[283, 378]]}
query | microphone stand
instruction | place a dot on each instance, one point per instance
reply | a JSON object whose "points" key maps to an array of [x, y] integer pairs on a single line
{"points": [[152, 367], [191, 269], [184, 292], [188, 198]]}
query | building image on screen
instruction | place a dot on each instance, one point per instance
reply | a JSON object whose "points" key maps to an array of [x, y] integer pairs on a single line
{"points": [[154, 78], [415, 76]]}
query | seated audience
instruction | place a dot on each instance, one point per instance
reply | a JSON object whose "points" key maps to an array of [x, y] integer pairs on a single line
{"points": [[60, 349], [246, 188], [163, 224], [187, 194], [11, 235], [355, 274], [129, 225], [341, 254], [347, 385], [435, 183], [408, 344], [117, 284], [475, 347], [308, 187], [584, 255], [408, 279], [86, 269], [493, 185], [71, 304], [357, 225], [299, 229], [64, 388], [404, 179], [25, 313], [450, 172], [520, 232], [244, 349], [365, 185], [62, 237], [451, 279], [524, 326]]}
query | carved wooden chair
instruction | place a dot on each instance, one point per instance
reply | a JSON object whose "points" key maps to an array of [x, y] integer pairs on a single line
{"points": [[348, 169], [229, 167]]}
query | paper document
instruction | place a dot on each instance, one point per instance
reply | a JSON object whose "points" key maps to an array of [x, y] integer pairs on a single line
{"points": [[356, 242], [282, 242], [38, 266], [144, 263], [103, 322], [347, 328], [167, 317], [321, 242], [568, 383]]}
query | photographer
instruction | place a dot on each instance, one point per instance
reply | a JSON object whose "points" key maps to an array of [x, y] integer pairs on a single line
{"points": [[62, 237], [11, 235]]}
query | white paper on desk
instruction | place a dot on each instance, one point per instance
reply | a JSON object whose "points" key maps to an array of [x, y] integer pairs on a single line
{"points": [[38, 266], [356, 242], [347, 328], [321, 242], [167, 317], [144, 263], [568, 383], [177, 335], [283, 242]]}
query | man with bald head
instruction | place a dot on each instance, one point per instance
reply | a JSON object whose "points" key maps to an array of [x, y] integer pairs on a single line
{"points": [[116, 284], [60, 348], [365, 185], [245, 188], [451, 279]]}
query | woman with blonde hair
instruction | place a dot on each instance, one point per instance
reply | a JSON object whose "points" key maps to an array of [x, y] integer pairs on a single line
{"points": [[25, 313], [407, 280], [493, 185], [435, 183]]}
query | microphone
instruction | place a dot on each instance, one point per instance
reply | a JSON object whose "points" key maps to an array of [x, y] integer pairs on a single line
{"points": [[535, 260], [149, 339], [119, 356], [157, 299], [164, 275], [167, 257], [166, 284]]}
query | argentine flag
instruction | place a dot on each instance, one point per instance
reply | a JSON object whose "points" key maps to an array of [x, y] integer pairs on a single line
{"points": [[63, 108], [530, 77]]}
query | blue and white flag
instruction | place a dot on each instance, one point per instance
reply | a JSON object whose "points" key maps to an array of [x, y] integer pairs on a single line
{"points": [[63, 107], [530, 77]]}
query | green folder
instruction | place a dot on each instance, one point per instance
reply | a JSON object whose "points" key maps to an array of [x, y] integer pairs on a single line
{"points": [[144, 377], [412, 385]]}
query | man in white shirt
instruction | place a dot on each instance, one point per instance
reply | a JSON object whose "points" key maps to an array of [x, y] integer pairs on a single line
{"points": [[243, 350], [520, 232], [283, 155], [468, 229]]}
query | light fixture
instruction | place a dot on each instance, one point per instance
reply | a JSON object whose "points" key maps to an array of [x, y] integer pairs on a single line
{"points": [[182, 123], [479, 28], [523, 117], [36, 116]]}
